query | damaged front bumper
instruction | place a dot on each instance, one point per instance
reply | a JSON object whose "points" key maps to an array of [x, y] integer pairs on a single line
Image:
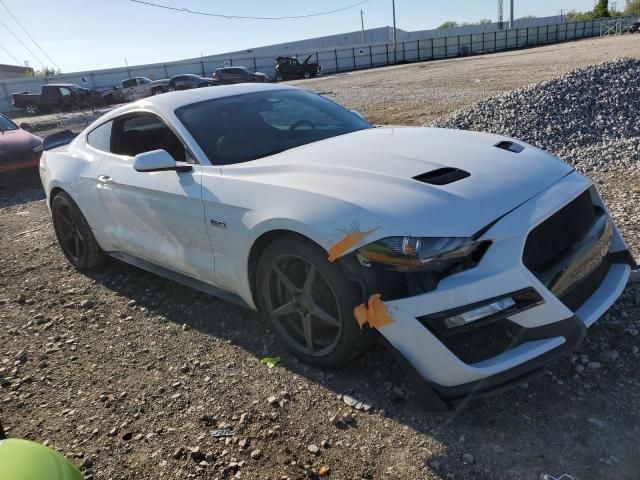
{"points": [[547, 312]]}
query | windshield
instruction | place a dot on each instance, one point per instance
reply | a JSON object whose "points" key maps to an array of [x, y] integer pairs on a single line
{"points": [[6, 124], [245, 127]]}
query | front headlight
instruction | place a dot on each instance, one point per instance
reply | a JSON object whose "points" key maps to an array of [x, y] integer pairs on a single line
{"points": [[437, 254]]}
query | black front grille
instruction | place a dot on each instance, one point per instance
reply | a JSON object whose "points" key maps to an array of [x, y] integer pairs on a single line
{"points": [[553, 238], [484, 342], [581, 292]]}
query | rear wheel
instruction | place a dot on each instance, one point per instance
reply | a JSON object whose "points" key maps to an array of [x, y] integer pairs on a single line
{"points": [[32, 109], [309, 303], [307, 74], [74, 234]]}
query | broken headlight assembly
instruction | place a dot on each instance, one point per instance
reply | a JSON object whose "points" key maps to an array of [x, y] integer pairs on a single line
{"points": [[439, 255]]}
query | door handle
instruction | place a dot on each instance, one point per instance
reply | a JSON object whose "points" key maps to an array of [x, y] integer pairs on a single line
{"points": [[105, 178]]}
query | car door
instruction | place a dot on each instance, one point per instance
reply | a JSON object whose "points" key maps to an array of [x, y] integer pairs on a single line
{"points": [[154, 216], [129, 89]]}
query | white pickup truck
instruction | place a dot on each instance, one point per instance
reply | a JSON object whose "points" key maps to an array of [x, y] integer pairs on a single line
{"points": [[142, 87]]}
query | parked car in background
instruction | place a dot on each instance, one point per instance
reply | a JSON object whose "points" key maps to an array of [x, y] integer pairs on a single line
{"points": [[64, 96], [189, 81], [479, 258], [20, 152], [290, 67], [230, 75], [634, 27], [143, 87]]}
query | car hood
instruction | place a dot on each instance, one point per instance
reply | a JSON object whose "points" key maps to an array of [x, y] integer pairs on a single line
{"points": [[15, 141], [373, 169]]}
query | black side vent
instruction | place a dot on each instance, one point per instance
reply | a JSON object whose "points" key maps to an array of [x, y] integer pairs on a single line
{"points": [[512, 147], [442, 176]]}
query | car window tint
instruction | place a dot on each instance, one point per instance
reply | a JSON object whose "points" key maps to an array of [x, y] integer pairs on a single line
{"points": [[100, 137], [141, 133], [128, 83], [245, 127], [6, 124], [65, 92]]}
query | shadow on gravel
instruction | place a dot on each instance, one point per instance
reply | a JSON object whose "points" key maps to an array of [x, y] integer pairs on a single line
{"points": [[21, 193], [525, 423]]}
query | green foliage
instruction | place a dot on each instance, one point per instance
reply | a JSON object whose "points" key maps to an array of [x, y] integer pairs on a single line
{"points": [[43, 72], [601, 9], [527, 17], [448, 24], [632, 8], [575, 16], [484, 21]]}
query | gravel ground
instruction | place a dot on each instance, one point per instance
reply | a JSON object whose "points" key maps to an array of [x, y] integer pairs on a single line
{"points": [[129, 374], [602, 133]]}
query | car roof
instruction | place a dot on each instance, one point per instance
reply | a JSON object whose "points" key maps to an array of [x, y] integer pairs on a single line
{"points": [[169, 102], [61, 85]]}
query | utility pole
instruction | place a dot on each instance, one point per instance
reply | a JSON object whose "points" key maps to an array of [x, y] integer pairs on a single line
{"points": [[500, 15], [561, 15], [393, 4], [511, 15], [362, 23]]}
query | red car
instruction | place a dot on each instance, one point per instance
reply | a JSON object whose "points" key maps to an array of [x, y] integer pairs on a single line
{"points": [[20, 152]]}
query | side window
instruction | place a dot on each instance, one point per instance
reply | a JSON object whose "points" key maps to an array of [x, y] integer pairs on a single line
{"points": [[139, 133], [100, 137], [128, 83], [65, 92]]}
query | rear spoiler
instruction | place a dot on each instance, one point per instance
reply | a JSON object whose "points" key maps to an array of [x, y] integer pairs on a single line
{"points": [[58, 139]]}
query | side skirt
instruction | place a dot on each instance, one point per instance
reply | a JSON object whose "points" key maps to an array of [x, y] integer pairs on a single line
{"points": [[179, 278]]}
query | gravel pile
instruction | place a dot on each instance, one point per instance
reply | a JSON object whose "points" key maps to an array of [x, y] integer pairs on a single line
{"points": [[588, 117]]}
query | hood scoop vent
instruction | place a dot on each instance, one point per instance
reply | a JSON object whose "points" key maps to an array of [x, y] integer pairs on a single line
{"points": [[442, 176], [510, 146]]}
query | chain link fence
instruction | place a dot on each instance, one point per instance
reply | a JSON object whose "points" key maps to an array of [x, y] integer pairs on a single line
{"points": [[332, 61]]}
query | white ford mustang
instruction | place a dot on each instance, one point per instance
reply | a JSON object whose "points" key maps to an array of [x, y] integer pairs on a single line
{"points": [[479, 259]]}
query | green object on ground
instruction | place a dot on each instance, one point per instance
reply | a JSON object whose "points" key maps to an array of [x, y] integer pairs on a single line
{"points": [[25, 460], [270, 361]]}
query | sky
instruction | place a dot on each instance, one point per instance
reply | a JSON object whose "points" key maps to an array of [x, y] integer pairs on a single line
{"points": [[91, 34]]}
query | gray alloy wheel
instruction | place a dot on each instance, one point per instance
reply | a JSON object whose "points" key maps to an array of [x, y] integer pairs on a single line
{"points": [[32, 109], [308, 303], [302, 305]]}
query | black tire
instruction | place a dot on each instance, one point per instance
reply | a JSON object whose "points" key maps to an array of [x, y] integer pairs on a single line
{"points": [[331, 295], [307, 74], [74, 234]]}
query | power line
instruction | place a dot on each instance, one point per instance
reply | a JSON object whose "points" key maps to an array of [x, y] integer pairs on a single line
{"points": [[242, 17], [28, 35], [22, 43], [9, 53]]}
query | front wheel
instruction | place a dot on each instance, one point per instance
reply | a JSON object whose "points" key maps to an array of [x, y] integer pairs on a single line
{"points": [[74, 234], [309, 303]]}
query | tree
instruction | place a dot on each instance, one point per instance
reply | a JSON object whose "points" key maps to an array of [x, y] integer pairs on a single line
{"points": [[527, 17], [484, 21], [43, 72], [448, 24], [601, 9], [632, 8], [575, 16]]}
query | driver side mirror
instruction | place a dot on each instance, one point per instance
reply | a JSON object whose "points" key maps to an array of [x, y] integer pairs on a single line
{"points": [[157, 161]]}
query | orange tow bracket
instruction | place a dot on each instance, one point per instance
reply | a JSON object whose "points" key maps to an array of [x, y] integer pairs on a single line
{"points": [[347, 242], [375, 313]]}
